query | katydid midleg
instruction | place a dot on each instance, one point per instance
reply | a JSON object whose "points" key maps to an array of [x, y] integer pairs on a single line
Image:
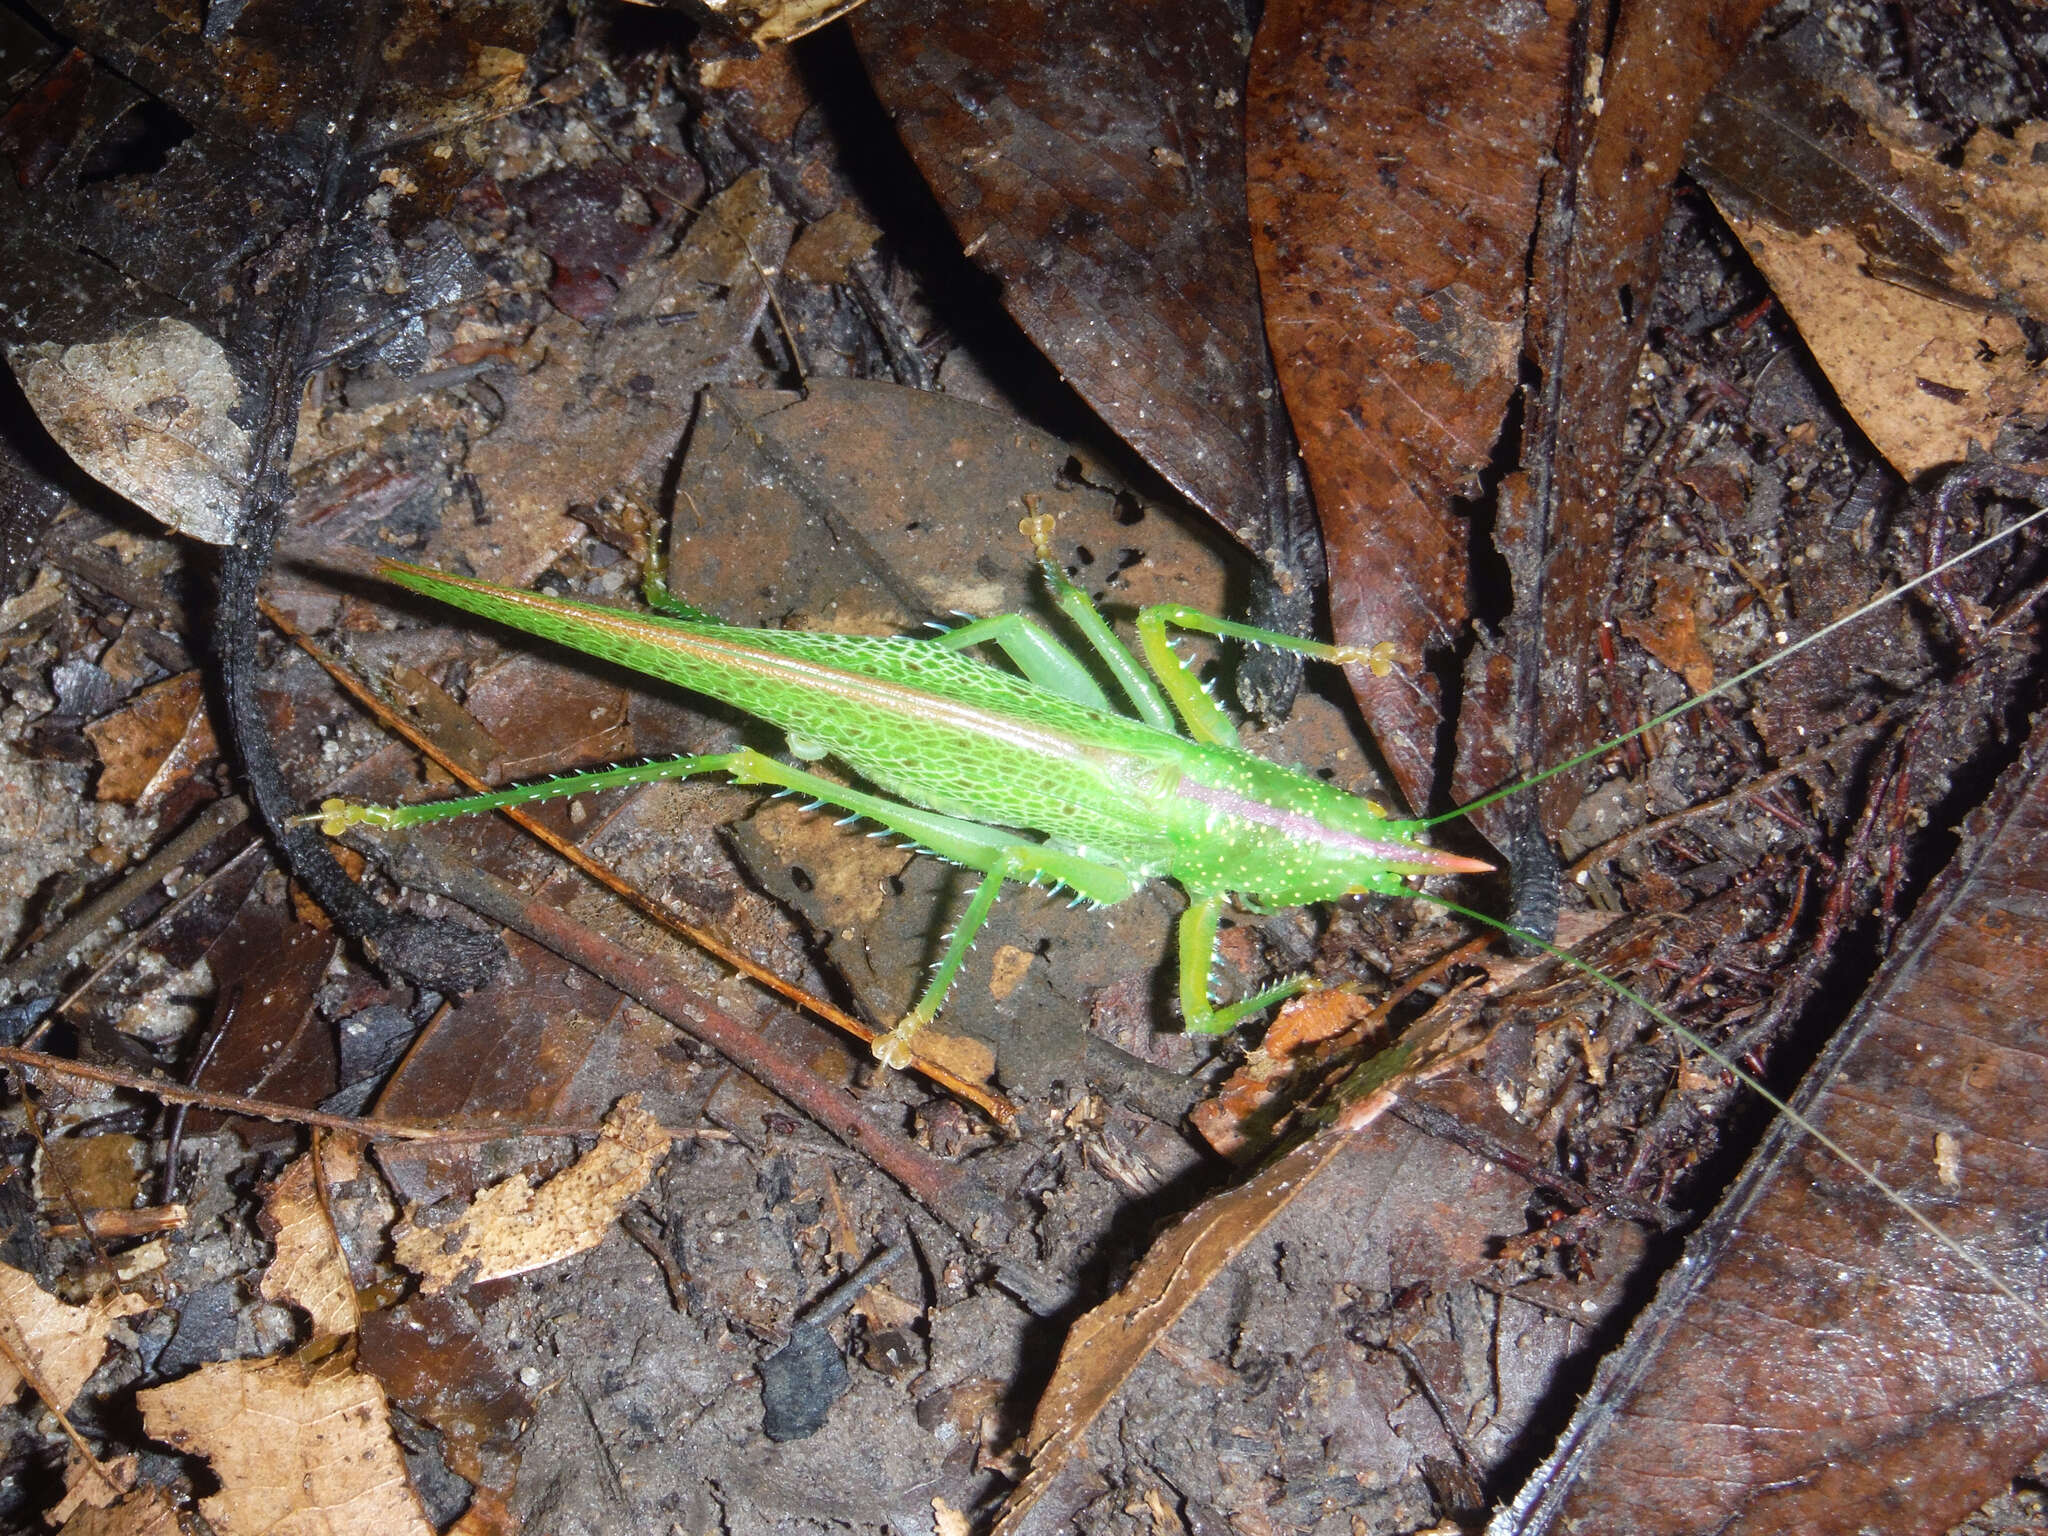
{"points": [[974, 760]]}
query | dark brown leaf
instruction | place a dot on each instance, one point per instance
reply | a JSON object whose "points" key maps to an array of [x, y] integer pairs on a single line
{"points": [[1819, 1362], [433, 1361], [547, 1044], [154, 742], [1395, 162], [274, 1044], [1091, 157]]}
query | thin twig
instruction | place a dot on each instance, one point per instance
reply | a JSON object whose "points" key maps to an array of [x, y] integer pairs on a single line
{"points": [[292, 1114], [25, 1368], [229, 1003]]}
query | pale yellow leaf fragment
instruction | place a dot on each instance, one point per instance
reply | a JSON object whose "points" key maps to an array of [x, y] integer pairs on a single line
{"points": [[149, 412], [308, 1270], [89, 1486], [62, 1344], [147, 1512], [1011, 966], [1925, 378], [514, 1227], [300, 1449]]}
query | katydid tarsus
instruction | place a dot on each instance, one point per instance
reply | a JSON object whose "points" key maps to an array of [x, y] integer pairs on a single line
{"points": [[972, 760]]}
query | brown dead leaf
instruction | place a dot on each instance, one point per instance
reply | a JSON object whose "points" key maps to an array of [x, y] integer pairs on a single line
{"points": [[150, 413], [1254, 1105], [962, 1055], [274, 1043], [1905, 274], [308, 1269], [1312, 1017], [63, 1344], [430, 1354], [2004, 204], [513, 1227], [93, 1485], [1819, 1364], [1672, 633], [301, 1448], [826, 251], [1395, 161], [1595, 259], [154, 743], [1924, 377]]}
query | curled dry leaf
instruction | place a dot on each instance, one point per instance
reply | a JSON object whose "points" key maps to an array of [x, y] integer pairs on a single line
{"points": [[300, 1448], [147, 413], [154, 743], [308, 1270], [1907, 276], [513, 1227], [62, 1344]]}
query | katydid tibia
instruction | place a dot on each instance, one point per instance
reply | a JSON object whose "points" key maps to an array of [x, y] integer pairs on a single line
{"points": [[979, 759]]}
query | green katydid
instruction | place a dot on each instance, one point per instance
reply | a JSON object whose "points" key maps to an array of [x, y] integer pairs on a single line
{"points": [[973, 751], [980, 758]]}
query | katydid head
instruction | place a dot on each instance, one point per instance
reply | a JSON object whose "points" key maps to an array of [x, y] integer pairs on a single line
{"points": [[1277, 835]]}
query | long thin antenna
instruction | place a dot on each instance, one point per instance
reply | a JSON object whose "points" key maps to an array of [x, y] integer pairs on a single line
{"points": [[1883, 599], [1750, 1081]]}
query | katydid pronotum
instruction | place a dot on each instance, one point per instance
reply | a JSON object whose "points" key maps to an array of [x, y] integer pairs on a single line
{"points": [[978, 758]]}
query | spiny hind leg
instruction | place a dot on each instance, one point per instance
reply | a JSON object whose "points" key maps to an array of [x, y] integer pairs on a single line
{"points": [[337, 816], [1016, 860], [964, 842], [1197, 936], [998, 854]]}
